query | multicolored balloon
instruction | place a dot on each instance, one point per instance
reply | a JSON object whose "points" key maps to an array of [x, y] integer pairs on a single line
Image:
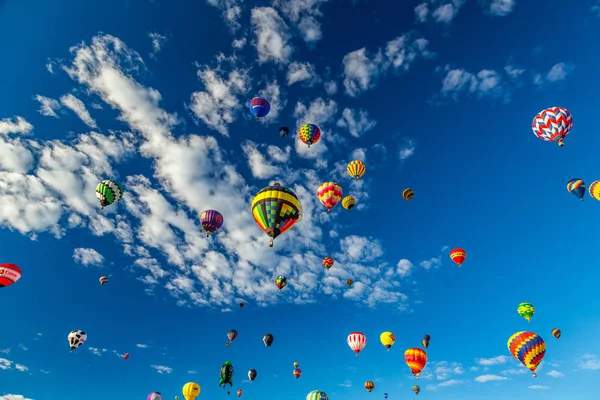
{"points": [[103, 280], [9, 274], [528, 348], [317, 395], [275, 210], [328, 263], [369, 385], [211, 221], [458, 255], [356, 169], [252, 374], [387, 339], [553, 125], [154, 396], [329, 194], [108, 192], [284, 131], [260, 107], [594, 190], [281, 282], [526, 311], [76, 338], [416, 359], [231, 335], [349, 282], [190, 390], [416, 389], [268, 339], [309, 134], [357, 341], [425, 341], [348, 202], [576, 187], [226, 375], [297, 373], [556, 333], [408, 194]]}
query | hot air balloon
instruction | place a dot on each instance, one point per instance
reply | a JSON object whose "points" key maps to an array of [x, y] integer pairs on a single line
{"points": [[103, 280], [239, 392], [356, 169], [553, 125], [328, 263], [297, 372], [329, 193], [211, 221], [259, 107], [296, 364], [408, 194], [528, 348], [284, 131], [275, 210], [357, 341], [228, 392], [425, 341], [556, 333], [317, 395], [349, 282], [231, 335], [108, 192], [241, 304], [268, 339], [76, 338], [387, 339], [281, 282], [226, 375], [126, 356], [348, 202], [526, 311], [154, 396], [252, 374], [385, 395], [576, 187], [594, 190], [415, 359], [190, 390], [369, 386], [309, 134], [9, 274], [416, 389], [458, 256]]}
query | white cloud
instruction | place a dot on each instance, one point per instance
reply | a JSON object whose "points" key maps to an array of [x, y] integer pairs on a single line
{"points": [[443, 370], [20, 367], [485, 83], [498, 8], [301, 72], [87, 257], [441, 11], [158, 41], [272, 35], [448, 383], [303, 14], [48, 106], [192, 372], [260, 167], [556, 374], [404, 268], [331, 87], [43, 371], [14, 397], [142, 346], [8, 364], [539, 387], [218, 105], [231, 9], [589, 362], [23, 347], [360, 72], [513, 72], [489, 378], [407, 150], [77, 106], [277, 100], [514, 371], [360, 248], [558, 72], [357, 123], [97, 352], [346, 384], [161, 369], [492, 361], [239, 43], [15, 125]]}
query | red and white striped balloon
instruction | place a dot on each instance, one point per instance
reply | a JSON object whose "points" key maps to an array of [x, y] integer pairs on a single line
{"points": [[357, 341]]}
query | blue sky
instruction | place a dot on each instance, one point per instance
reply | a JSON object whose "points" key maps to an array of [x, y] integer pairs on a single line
{"points": [[436, 95]]}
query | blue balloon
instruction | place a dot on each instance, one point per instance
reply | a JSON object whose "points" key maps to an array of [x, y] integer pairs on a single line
{"points": [[259, 107], [576, 187]]}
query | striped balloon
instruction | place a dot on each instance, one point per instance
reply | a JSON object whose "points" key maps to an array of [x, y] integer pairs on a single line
{"points": [[103, 280], [415, 359], [357, 341], [408, 194], [556, 333], [552, 125], [369, 385], [528, 348], [108, 192], [594, 190], [328, 262], [329, 193], [348, 202], [576, 187], [317, 395], [9, 274], [356, 169]]}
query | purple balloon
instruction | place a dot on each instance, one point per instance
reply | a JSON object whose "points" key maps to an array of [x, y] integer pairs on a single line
{"points": [[155, 396], [211, 220]]}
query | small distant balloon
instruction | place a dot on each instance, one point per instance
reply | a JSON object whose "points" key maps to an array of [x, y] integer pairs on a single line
{"points": [[284, 131], [577, 188], [103, 280], [260, 107], [211, 221], [556, 333], [126, 356]]}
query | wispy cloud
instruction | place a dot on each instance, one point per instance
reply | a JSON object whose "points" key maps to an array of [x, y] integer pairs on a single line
{"points": [[88, 257], [48, 106], [490, 378], [539, 387], [345, 384], [492, 361], [77, 106], [162, 369], [589, 362], [556, 374], [407, 149], [498, 8], [23, 347], [557, 73], [142, 346], [97, 352], [442, 12], [158, 41]]}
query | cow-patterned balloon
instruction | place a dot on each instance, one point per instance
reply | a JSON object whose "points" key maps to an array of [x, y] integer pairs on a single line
{"points": [[76, 338]]}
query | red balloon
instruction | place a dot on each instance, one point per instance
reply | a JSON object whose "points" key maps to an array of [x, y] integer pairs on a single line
{"points": [[126, 356], [9, 274], [458, 255]]}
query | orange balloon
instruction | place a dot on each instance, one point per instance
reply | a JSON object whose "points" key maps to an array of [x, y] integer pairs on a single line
{"points": [[415, 359]]}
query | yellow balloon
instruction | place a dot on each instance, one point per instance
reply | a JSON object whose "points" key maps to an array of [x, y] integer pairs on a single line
{"points": [[191, 390], [387, 339]]}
